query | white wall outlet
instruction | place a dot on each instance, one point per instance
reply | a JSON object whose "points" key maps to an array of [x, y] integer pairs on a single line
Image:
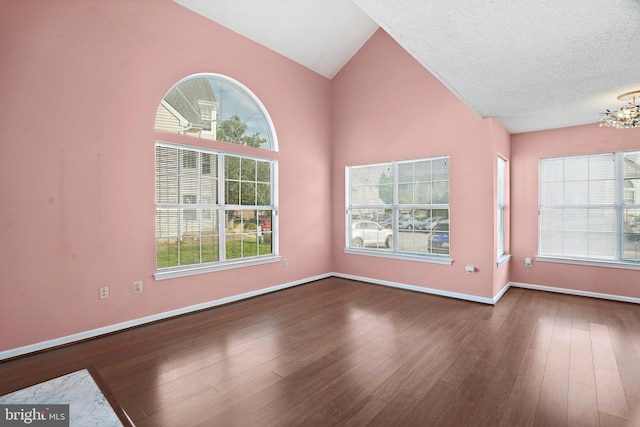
{"points": [[527, 262], [104, 292], [285, 262], [470, 269], [137, 287]]}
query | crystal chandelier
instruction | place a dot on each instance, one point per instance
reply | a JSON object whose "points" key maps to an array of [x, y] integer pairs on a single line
{"points": [[627, 116]]}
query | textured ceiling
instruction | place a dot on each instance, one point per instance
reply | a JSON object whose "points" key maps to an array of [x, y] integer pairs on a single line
{"points": [[533, 65]]}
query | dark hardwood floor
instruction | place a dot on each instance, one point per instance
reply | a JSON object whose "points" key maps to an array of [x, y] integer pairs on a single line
{"points": [[339, 352]]}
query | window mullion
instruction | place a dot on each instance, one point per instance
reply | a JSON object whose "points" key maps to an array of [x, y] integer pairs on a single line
{"points": [[275, 222], [395, 210], [222, 217], [198, 203], [179, 208], [619, 202]]}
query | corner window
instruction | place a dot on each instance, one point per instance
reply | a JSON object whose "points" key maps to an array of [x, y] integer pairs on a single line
{"points": [[214, 209], [589, 207], [399, 208], [500, 226]]}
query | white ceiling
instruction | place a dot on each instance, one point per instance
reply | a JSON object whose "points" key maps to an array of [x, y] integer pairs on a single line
{"points": [[533, 65]]}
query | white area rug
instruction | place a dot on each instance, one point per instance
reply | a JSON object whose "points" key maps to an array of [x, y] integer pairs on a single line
{"points": [[88, 407]]}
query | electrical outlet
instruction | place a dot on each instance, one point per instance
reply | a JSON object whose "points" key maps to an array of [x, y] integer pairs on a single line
{"points": [[527, 262], [137, 287], [285, 262], [104, 292]]}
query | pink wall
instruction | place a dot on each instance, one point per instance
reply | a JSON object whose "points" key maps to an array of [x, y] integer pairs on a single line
{"points": [[80, 84], [526, 150], [386, 107]]}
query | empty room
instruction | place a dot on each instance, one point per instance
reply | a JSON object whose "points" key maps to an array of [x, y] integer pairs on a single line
{"points": [[319, 212]]}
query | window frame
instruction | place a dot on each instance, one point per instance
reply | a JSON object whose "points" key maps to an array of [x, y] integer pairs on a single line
{"points": [[617, 205], [220, 208], [237, 86], [395, 208], [502, 175], [168, 136]]}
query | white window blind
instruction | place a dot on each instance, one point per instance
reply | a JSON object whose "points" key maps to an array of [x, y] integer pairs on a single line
{"points": [[587, 205]]}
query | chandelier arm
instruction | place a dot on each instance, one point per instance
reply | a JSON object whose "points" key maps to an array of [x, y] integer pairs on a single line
{"points": [[627, 116]]}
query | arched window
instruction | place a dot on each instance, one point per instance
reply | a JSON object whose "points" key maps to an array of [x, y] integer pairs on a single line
{"points": [[215, 209], [215, 107]]}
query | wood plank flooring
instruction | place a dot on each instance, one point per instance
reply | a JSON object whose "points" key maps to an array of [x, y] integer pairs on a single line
{"points": [[339, 352]]}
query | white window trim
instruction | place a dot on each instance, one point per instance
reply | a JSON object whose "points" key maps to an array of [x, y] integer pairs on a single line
{"points": [[183, 271], [503, 259], [501, 179], [407, 256], [627, 265], [619, 205]]}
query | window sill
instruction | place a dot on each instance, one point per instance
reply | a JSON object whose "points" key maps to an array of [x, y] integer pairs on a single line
{"points": [[503, 259], [589, 262], [172, 273], [434, 259]]}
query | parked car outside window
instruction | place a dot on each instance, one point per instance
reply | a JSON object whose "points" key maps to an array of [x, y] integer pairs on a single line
{"points": [[407, 223], [370, 234], [440, 237], [429, 223]]}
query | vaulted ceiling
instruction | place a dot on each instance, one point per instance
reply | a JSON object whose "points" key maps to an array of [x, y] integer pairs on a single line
{"points": [[533, 65]]}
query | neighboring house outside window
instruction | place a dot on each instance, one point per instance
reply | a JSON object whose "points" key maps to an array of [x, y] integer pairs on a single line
{"points": [[399, 209], [214, 209], [211, 106], [589, 208]]}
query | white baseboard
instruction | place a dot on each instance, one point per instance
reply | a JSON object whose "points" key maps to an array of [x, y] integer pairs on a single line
{"points": [[431, 291], [575, 292], [56, 342], [44, 345], [499, 295]]}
